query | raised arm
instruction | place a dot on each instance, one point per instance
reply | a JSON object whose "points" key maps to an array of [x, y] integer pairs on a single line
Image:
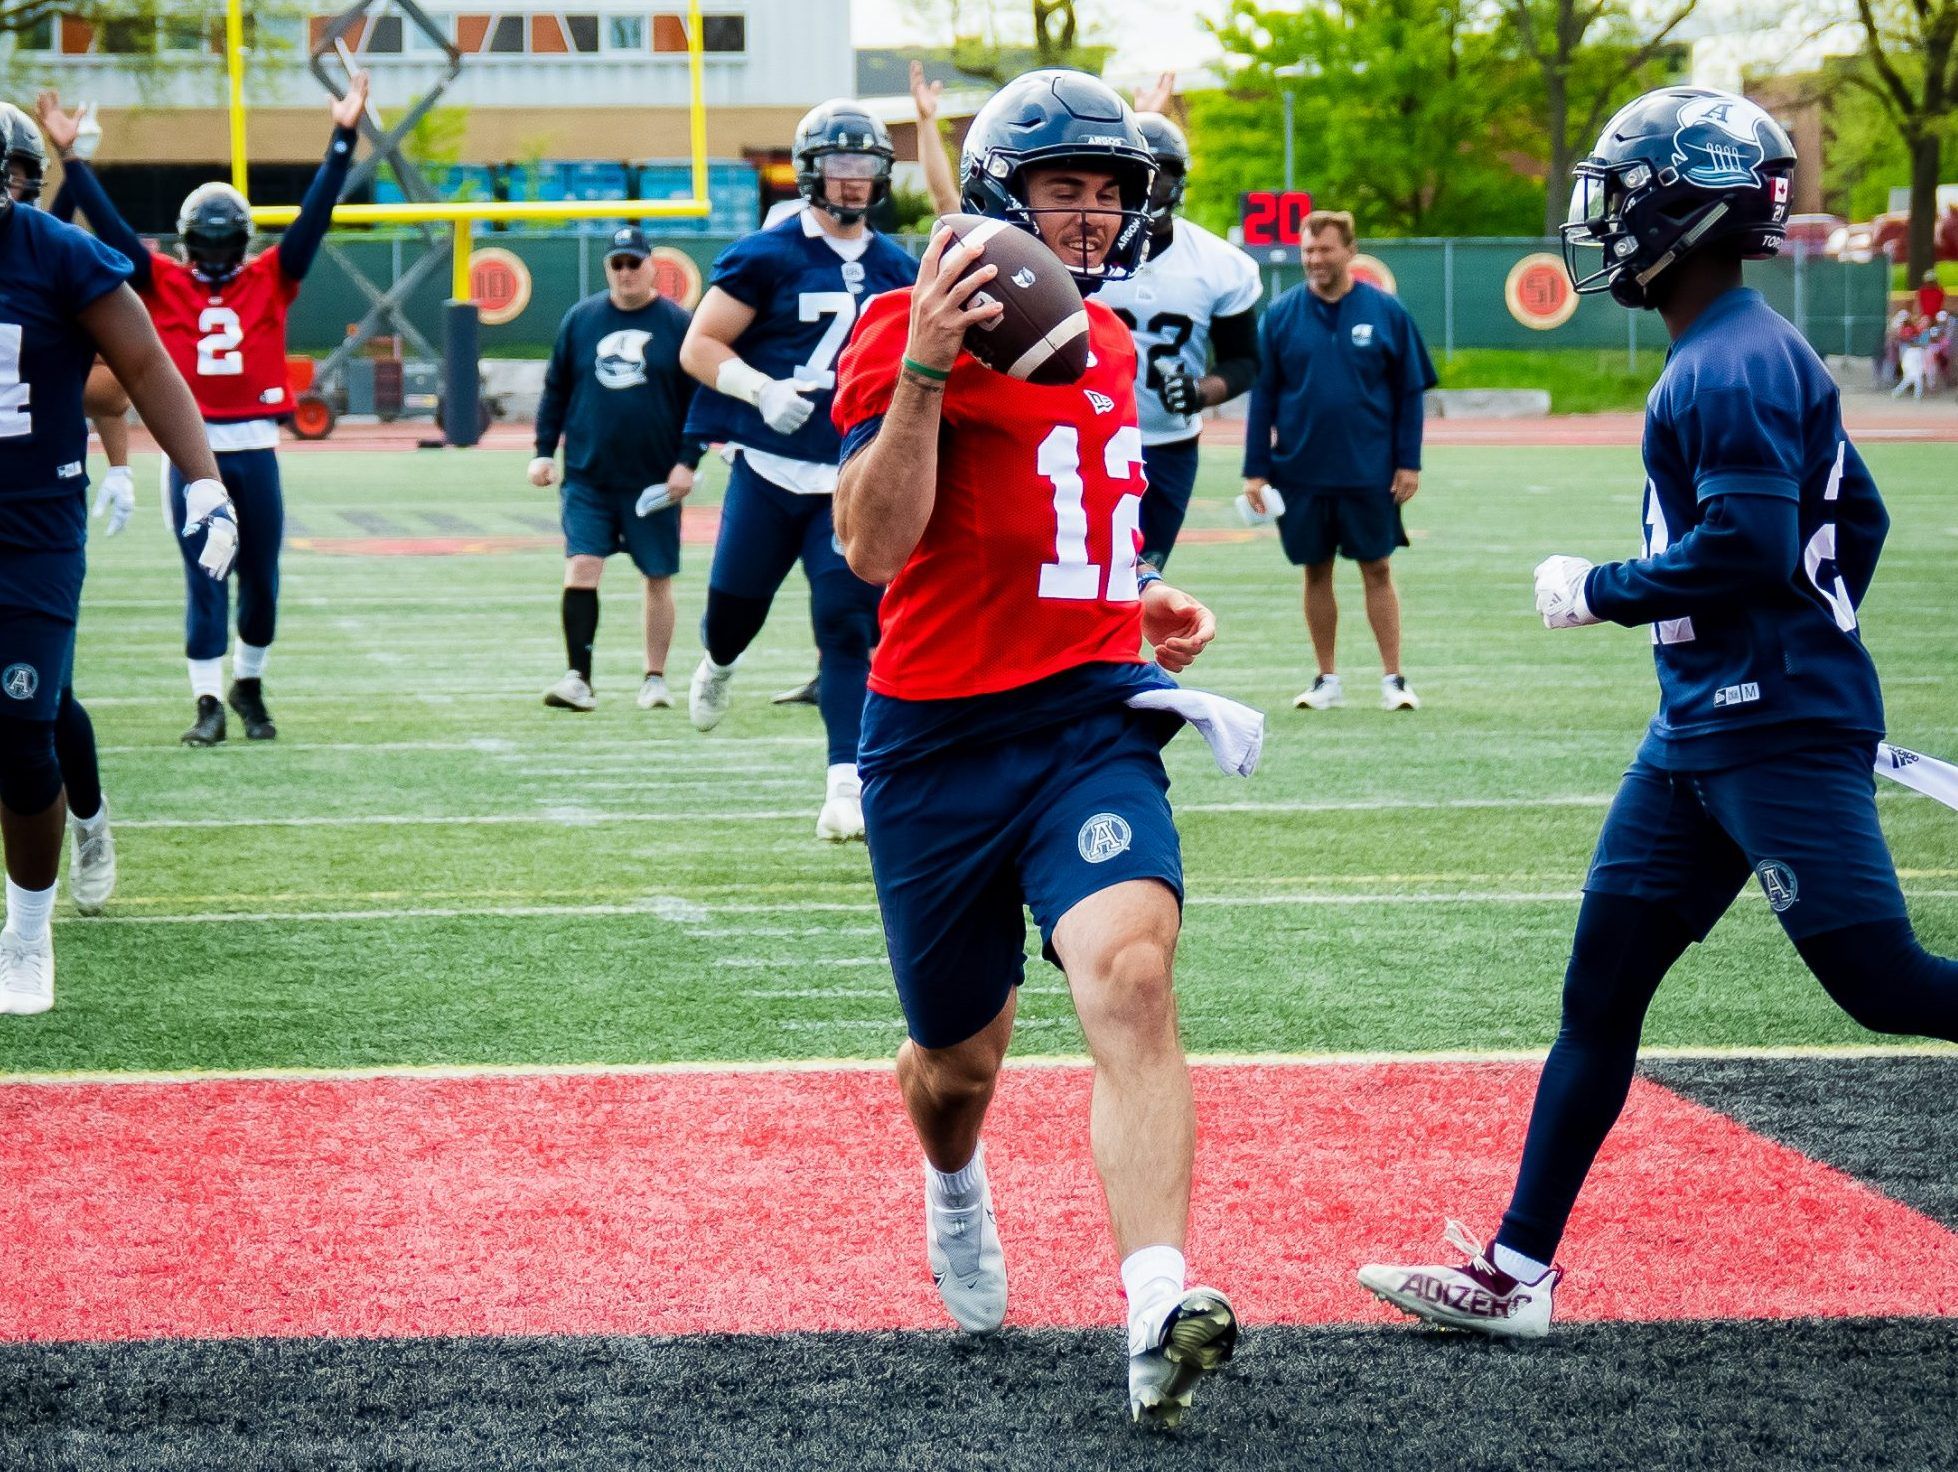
{"points": [[301, 243], [83, 190], [932, 156]]}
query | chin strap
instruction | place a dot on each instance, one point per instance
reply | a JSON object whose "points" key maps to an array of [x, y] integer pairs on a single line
{"points": [[1685, 243]]}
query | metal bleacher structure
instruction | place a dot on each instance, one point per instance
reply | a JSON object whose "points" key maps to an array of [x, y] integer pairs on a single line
{"points": [[407, 196]]}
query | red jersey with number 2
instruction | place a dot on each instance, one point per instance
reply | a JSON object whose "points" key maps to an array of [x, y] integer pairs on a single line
{"points": [[228, 341], [1027, 566]]}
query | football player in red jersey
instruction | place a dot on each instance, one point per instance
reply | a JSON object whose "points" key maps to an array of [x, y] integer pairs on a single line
{"points": [[1011, 749], [223, 319]]}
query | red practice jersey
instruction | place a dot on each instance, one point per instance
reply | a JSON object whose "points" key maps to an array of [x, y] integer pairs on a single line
{"points": [[1027, 566], [228, 341]]}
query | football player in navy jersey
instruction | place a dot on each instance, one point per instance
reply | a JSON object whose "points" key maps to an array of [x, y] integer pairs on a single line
{"points": [[779, 308], [64, 297], [1762, 529]]}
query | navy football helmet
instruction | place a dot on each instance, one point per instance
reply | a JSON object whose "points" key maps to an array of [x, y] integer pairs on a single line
{"points": [[1171, 151], [23, 155], [1054, 117], [1677, 170], [842, 127], [215, 228]]}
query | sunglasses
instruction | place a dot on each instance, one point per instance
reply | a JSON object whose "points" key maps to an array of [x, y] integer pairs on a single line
{"points": [[625, 263]]}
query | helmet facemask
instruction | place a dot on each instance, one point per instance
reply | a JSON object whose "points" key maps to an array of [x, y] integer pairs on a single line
{"points": [[843, 167], [1126, 228], [214, 228]]}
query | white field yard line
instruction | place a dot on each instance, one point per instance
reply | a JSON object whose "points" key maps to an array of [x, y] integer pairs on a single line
{"points": [[657, 910], [531, 748], [1745, 1052]]}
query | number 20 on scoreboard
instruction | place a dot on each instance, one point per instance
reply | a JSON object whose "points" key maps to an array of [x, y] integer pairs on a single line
{"points": [[1273, 217]]}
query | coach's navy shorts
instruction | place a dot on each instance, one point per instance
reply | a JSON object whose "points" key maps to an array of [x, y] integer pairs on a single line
{"points": [[1171, 471], [40, 599], [961, 841], [1365, 527], [764, 529], [1803, 824], [598, 523]]}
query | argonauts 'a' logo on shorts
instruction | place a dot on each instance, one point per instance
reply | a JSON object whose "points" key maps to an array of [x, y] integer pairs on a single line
{"points": [[1102, 837], [20, 681], [1778, 883]]}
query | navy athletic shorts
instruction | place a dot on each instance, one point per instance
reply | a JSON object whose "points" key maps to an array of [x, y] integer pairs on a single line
{"points": [[40, 599], [598, 523], [1365, 528], [1171, 471]]}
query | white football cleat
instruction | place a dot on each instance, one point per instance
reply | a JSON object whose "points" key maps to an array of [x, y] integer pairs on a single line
{"points": [[707, 697], [1172, 1346], [571, 693], [1478, 1296], [26, 974], [1396, 694], [653, 694], [967, 1263], [1324, 694], [841, 819], [92, 872]]}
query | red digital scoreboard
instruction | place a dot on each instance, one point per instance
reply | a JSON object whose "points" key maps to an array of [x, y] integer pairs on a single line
{"points": [[1273, 217]]}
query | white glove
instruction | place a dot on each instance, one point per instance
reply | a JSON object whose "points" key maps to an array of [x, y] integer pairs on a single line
{"points": [[117, 497], [1560, 593], [653, 498], [543, 470], [783, 407], [207, 506], [88, 133]]}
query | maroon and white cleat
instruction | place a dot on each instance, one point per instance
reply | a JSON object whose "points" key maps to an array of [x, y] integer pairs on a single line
{"points": [[1477, 1296]]}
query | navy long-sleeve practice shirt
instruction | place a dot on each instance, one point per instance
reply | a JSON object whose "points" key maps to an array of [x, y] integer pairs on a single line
{"points": [[1336, 408], [616, 393]]}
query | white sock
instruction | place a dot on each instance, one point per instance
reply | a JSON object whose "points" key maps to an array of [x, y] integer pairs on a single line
{"points": [[954, 1188], [716, 669], [206, 677], [248, 660], [843, 772], [1522, 1269], [28, 911], [95, 822], [1151, 1274]]}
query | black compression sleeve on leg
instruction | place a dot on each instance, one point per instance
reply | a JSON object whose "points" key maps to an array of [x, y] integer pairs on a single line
{"points": [[730, 624], [1622, 950], [1882, 977], [580, 629], [74, 745], [30, 773]]}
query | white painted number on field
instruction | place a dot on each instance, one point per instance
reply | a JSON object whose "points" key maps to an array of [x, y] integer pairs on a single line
{"points": [[217, 343], [15, 422], [1071, 575], [841, 308]]}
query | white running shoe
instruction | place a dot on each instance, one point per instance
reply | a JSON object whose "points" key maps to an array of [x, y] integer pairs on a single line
{"points": [[707, 697], [653, 694], [26, 974], [967, 1263], [1172, 1346], [571, 693], [841, 819], [92, 872], [1478, 1296], [1324, 694], [1396, 694]]}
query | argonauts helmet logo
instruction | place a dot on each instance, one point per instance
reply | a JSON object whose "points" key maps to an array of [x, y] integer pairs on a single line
{"points": [[20, 681], [1102, 837], [622, 358], [1718, 142]]}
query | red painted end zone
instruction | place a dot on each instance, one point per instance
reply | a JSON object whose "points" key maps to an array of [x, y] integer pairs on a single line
{"points": [[767, 1202]]}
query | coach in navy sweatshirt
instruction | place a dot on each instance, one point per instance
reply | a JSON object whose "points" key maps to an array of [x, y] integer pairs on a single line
{"points": [[1335, 426], [617, 395]]}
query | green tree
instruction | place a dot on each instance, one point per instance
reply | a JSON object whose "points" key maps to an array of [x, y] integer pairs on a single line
{"points": [[999, 39], [1413, 114], [1910, 55]]}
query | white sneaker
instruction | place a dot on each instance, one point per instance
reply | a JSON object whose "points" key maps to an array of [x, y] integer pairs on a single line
{"points": [[1324, 694], [653, 694], [571, 693], [841, 819], [967, 1263], [1478, 1295], [1172, 1346], [26, 974], [707, 697], [92, 872], [1395, 694]]}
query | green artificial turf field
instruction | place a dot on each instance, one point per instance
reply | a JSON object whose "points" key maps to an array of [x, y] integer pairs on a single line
{"points": [[429, 867]]}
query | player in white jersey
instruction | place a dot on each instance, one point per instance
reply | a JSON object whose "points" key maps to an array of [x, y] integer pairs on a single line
{"points": [[1195, 300]]}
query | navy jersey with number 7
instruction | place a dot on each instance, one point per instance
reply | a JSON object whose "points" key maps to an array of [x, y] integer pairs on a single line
{"points": [[806, 290], [1752, 661]]}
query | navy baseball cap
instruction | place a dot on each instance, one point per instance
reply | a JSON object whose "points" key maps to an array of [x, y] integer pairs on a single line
{"points": [[629, 240]]}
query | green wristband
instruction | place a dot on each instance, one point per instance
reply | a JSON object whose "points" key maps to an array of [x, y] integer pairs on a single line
{"points": [[936, 375]]}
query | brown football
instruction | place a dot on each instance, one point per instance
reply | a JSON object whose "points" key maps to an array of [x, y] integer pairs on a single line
{"points": [[1042, 336]]}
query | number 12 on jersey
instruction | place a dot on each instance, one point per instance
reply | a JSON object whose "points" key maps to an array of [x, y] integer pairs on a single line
{"points": [[1071, 575]]}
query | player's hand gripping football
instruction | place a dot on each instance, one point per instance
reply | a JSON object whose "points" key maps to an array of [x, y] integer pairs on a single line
{"points": [[206, 505], [1176, 624], [1560, 593], [942, 310]]}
